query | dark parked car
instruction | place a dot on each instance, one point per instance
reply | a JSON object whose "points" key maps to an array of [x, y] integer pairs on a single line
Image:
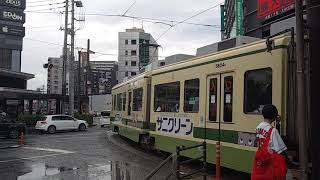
{"points": [[11, 128]]}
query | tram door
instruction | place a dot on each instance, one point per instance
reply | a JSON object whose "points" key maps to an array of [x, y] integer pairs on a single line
{"points": [[220, 98], [129, 103]]}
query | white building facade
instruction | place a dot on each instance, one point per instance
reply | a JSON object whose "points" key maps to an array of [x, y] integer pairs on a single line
{"points": [[136, 50]]}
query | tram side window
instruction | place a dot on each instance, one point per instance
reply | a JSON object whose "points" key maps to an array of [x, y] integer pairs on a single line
{"points": [[137, 99], [113, 102], [258, 90], [191, 96], [124, 100], [119, 102], [167, 97]]}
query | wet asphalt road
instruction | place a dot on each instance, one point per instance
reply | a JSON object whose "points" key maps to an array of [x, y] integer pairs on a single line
{"points": [[94, 154]]}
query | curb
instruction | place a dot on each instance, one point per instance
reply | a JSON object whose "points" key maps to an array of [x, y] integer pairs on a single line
{"points": [[10, 147]]}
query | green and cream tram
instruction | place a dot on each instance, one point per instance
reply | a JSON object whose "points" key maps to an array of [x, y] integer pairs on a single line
{"points": [[186, 102]]}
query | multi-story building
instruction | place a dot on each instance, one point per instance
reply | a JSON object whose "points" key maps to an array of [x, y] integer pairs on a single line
{"points": [[13, 82], [136, 50], [98, 78], [256, 18], [54, 79]]}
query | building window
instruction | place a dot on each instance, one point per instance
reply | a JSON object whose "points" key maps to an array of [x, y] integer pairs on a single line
{"points": [[119, 102], [133, 73], [124, 100], [126, 52], [167, 97], [191, 96], [228, 99], [133, 41], [258, 90], [126, 74], [126, 41], [137, 99], [133, 52], [55, 82], [114, 102], [55, 87], [133, 63]]}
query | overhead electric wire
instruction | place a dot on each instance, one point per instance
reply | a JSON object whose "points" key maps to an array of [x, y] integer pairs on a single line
{"points": [[39, 27], [153, 20], [201, 12], [48, 9], [129, 8], [31, 2], [61, 45], [50, 4]]}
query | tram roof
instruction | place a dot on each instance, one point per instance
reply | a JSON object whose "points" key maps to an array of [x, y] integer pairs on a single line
{"points": [[132, 79], [246, 48]]}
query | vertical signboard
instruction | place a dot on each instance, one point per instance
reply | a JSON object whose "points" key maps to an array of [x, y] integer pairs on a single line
{"points": [[222, 21], [270, 8], [239, 17]]}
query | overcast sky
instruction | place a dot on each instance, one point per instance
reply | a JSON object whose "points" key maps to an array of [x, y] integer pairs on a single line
{"points": [[103, 30]]}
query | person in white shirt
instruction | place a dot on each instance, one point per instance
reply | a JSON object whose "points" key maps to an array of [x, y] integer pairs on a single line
{"points": [[270, 114]]}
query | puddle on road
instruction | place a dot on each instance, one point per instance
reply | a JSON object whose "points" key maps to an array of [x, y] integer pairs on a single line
{"points": [[108, 171]]}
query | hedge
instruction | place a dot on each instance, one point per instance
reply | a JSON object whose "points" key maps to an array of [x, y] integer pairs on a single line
{"points": [[86, 117], [30, 120]]}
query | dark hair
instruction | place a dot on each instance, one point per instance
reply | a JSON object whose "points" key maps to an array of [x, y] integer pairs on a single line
{"points": [[270, 111]]}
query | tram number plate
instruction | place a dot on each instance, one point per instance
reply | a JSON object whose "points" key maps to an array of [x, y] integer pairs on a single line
{"points": [[220, 65]]}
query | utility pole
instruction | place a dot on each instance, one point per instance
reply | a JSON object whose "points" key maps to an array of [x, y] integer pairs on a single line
{"points": [[88, 70], [79, 82], [301, 99], [313, 14], [71, 64], [65, 57]]}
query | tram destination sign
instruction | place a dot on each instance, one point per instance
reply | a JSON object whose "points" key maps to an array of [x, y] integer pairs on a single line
{"points": [[20, 4], [12, 30], [10, 14], [268, 9]]}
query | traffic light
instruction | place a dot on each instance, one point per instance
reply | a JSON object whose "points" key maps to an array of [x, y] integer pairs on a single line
{"points": [[50, 66]]}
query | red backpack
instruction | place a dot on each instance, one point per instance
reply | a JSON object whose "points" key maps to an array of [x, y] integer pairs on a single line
{"points": [[268, 165]]}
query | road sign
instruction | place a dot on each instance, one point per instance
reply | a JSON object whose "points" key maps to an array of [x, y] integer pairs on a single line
{"points": [[12, 30]]}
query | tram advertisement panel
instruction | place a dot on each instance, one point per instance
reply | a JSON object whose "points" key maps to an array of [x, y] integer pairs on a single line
{"points": [[182, 126]]}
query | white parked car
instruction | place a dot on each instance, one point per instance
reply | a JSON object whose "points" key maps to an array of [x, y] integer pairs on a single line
{"points": [[105, 118], [53, 123]]}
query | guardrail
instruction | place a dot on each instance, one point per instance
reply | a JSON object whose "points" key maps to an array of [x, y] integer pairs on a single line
{"points": [[176, 164]]}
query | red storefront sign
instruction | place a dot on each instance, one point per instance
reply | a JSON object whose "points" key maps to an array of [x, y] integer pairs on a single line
{"points": [[270, 8]]}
